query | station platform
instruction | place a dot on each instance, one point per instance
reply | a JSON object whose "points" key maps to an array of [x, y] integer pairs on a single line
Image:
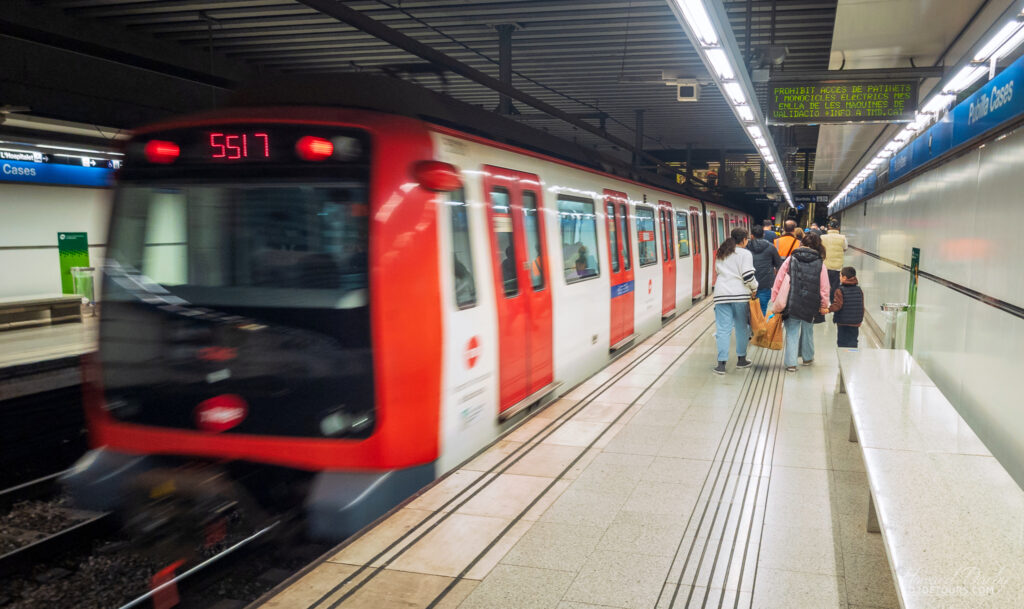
{"points": [[42, 422], [44, 358], [656, 483]]}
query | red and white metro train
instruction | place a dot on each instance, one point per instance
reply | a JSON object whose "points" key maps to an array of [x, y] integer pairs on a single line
{"points": [[361, 299]]}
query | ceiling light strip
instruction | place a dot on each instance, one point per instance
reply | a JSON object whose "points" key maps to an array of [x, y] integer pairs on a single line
{"points": [[707, 27], [1004, 42]]}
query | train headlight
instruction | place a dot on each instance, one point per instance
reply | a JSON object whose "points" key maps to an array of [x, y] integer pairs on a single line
{"points": [[437, 176]]}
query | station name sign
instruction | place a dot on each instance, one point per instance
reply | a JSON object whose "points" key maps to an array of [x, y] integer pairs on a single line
{"points": [[846, 101], [55, 173]]}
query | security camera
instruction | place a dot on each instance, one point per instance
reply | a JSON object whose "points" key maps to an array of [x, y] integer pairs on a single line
{"points": [[687, 90]]}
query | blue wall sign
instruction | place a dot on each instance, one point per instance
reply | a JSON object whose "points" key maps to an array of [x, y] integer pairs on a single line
{"points": [[991, 105], [52, 173], [623, 288]]}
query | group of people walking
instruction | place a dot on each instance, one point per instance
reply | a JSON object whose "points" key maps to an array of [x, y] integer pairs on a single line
{"points": [[800, 273]]}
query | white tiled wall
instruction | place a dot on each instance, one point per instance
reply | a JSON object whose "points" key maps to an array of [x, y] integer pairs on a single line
{"points": [[967, 217], [32, 215]]}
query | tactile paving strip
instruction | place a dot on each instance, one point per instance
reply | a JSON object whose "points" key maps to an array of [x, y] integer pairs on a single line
{"points": [[716, 562]]}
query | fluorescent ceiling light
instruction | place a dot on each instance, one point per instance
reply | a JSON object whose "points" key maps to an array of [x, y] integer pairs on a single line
{"points": [[1011, 45], [697, 18], [937, 103], [719, 53], [720, 62], [997, 41], [735, 91], [68, 148], [965, 78]]}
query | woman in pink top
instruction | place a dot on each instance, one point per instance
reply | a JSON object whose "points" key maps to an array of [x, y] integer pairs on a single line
{"points": [[808, 296]]}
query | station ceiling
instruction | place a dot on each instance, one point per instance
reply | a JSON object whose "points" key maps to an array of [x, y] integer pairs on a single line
{"points": [[582, 56], [914, 32]]}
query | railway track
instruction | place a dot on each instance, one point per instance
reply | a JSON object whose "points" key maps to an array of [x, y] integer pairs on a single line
{"points": [[89, 564], [36, 526], [40, 488]]}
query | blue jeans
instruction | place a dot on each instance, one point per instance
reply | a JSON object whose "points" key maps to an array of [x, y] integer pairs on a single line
{"points": [[764, 296], [730, 315], [799, 340]]}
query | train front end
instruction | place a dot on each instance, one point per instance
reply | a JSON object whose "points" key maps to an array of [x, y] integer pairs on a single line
{"points": [[268, 272]]}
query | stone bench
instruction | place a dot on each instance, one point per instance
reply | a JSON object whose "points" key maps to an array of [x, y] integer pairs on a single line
{"points": [[951, 517], [24, 311]]}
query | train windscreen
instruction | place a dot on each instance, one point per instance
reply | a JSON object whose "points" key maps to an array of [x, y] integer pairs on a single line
{"points": [[236, 292]]}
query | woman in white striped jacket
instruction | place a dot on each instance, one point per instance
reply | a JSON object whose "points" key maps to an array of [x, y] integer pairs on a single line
{"points": [[734, 288]]}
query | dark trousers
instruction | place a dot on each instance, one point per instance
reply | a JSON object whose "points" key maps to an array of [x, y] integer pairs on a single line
{"points": [[846, 336], [833, 283]]}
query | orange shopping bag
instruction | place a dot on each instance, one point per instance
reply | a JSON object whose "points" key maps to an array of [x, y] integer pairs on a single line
{"points": [[757, 325], [771, 338]]}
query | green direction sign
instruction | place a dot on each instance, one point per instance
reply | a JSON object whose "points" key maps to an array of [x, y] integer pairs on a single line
{"points": [[915, 265], [73, 249], [847, 101]]}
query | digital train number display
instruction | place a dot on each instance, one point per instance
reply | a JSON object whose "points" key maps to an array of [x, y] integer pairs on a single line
{"points": [[235, 146], [246, 149]]}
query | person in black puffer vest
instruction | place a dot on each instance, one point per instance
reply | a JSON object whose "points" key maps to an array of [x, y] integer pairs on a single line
{"points": [[807, 298], [848, 306]]}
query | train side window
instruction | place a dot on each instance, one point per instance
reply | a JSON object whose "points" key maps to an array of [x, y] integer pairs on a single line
{"points": [[462, 251], [627, 241], [613, 241], [504, 240], [533, 247], [683, 233], [666, 238], [646, 242], [695, 223], [578, 225], [721, 230]]}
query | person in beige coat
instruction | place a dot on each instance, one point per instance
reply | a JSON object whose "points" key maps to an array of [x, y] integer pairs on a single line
{"points": [[835, 247]]}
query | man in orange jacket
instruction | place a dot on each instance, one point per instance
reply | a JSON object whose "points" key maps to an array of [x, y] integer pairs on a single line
{"points": [[788, 242]]}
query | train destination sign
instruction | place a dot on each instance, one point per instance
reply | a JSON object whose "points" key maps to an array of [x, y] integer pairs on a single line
{"points": [[848, 101]]}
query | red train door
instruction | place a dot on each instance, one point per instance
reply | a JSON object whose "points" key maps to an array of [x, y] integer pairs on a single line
{"points": [[714, 247], [695, 248], [668, 264], [620, 252], [521, 284]]}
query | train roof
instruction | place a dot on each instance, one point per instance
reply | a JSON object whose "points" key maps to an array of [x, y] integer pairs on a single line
{"points": [[394, 96]]}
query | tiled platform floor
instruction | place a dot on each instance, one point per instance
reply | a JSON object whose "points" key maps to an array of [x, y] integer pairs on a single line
{"points": [[629, 503]]}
